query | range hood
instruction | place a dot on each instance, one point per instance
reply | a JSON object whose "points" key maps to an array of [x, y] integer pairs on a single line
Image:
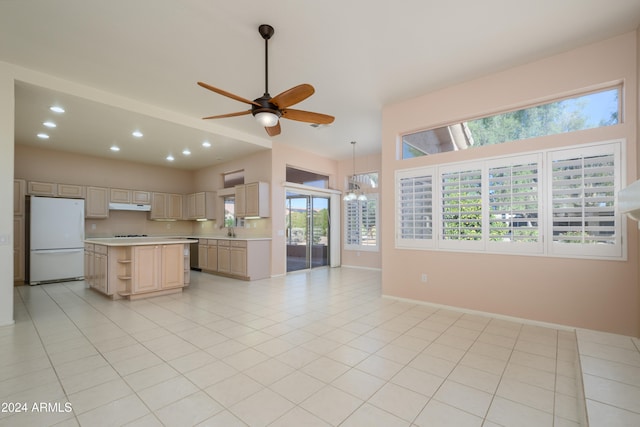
{"points": [[129, 207], [629, 201]]}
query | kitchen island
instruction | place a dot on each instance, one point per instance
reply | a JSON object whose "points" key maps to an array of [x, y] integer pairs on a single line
{"points": [[137, 267]]}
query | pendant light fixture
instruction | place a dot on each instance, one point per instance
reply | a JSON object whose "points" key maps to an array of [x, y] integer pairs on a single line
{"points": [[354, 191]]}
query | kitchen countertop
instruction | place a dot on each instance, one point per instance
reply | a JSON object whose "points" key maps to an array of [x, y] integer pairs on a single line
{"points": [[229, 238], [139, 241], [161, 240]]}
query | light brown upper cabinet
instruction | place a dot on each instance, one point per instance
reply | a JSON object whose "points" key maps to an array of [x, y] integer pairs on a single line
{"points": [[97, 202], [252, 200]]}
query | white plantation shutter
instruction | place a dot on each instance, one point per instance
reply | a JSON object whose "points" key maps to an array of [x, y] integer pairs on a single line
{"points": [[583, 185], [461, 207], [552, 202], [414, 208], [351, 223], [514, 195], [361, 224]]}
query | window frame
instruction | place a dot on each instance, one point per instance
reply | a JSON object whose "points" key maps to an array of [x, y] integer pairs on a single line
{"points": [[461, 137], [544, 246]]}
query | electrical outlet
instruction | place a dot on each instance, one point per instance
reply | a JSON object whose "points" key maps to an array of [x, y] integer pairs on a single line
{"points": [[423, 277]]}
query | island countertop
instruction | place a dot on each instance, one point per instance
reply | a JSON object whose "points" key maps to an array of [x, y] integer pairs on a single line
{"points": [[139, 241], [214, 237]]}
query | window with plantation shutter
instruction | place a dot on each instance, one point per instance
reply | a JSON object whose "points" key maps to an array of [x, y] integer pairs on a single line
{"points": [[556, 202], [461, 207], [414, 208], [583, 185], [361, 223], [514, 204]]}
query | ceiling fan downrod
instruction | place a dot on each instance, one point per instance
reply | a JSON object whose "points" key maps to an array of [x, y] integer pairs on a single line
{"points": [[266, 31]]}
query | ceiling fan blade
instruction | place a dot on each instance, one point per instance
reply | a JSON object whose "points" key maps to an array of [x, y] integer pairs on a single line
{"points": [[227, 94], [273, 130], [307, 116], [293, 96], [222, 116]]}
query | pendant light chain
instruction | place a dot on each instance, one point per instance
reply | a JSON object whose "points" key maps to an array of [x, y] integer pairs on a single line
{"points": [[351, 194], [353, 144]]}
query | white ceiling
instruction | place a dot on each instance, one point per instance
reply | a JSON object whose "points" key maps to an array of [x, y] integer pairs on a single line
{"points": [[136, 63]]}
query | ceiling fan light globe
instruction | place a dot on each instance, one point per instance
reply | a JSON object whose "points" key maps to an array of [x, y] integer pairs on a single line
{"points": [[350, 197], [267, 119], [362, 198]]}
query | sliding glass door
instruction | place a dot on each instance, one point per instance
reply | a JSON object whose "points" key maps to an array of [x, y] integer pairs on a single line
{"points": [[307, 231]]}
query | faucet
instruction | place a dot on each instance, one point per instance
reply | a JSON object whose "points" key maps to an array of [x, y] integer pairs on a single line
{"points": [[231, 232]]}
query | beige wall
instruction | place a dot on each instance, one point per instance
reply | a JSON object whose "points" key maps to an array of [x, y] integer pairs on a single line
{"points": [[6, 193], [36, 164], [601, 295], [637, 118], [44, 164], [363, 164], [257, 167]]}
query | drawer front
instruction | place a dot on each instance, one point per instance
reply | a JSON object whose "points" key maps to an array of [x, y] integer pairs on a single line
{"points": [[89, 247], [223, 243], [100, 249], [238, 243]]}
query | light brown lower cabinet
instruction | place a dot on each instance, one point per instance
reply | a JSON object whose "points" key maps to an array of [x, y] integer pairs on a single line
{"points": [[208, 254], [238, 258], [145, 269], [212, 256], [96, 267], [246, 259], [18, 249], [156, 268], [224, 262]]}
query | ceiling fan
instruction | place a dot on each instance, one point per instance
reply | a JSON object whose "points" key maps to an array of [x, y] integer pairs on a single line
{"points": [[268, 110]]}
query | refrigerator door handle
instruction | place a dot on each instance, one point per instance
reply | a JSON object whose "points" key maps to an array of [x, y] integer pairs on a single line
{"points": [[58, 251]]}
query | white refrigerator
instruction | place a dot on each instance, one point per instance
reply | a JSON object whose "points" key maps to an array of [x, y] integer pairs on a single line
{"points": [[55, 239]]}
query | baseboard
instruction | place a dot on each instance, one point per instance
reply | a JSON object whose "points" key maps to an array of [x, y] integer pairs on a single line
{"points": [[485, 314]]}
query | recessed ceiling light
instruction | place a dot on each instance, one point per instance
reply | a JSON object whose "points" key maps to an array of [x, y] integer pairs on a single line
{"points": [[56, 109], [186, 152], [43, 136], [170, 158], [137, 134], [206, 144], [115, 148], [49, 124]]}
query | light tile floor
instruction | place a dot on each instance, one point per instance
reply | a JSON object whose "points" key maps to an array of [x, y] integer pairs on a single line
{"points": [[319, 348]]}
